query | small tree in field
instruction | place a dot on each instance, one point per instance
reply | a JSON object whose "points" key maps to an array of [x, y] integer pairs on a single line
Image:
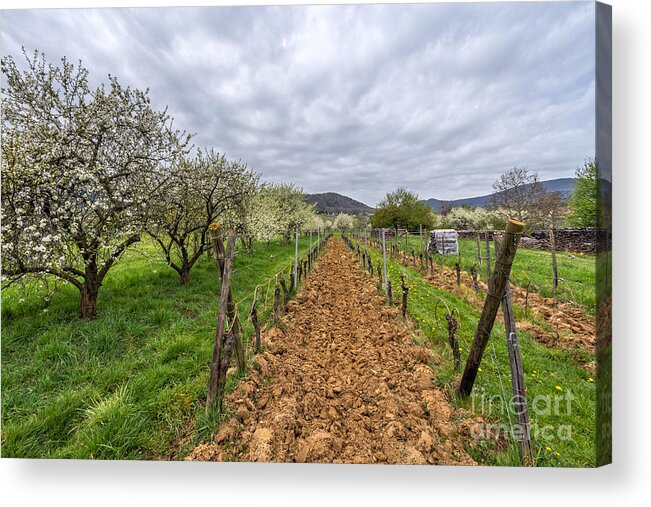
{"points": [[344, 223], [199, 192], [402, 208], [78, 169], [584, 203], [516, 194]]}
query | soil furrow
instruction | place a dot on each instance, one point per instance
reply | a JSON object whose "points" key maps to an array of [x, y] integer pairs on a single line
{"points": [[340, 381]]}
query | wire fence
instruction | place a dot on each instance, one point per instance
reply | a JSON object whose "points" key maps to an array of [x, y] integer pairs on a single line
{"points": [[532, 271], [291, 275]]}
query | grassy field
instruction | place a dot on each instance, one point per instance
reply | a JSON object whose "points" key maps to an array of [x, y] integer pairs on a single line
{"points": [[549, 376], [122, 386], [534, 267], [129, 384]]}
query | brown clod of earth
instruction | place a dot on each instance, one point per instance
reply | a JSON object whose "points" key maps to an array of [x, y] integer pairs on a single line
{"points": [[342, 383]]}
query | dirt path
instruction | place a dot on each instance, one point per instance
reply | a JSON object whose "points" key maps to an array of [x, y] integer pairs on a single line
{"points": [[343, 383]]}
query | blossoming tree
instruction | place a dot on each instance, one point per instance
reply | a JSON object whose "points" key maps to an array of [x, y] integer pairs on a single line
{"points": [[78, 168], [200, 191], [344, 222]]}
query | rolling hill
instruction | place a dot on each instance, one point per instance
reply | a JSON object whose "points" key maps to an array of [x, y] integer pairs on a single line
{"points": [[332, 203], [561, 185]]}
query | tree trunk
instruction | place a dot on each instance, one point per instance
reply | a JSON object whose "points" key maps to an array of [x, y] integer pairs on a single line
{"points": [[89, 292], [185, 275]]}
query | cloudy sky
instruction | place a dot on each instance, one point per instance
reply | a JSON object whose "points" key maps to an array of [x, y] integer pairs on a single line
{"points": [[439, 98]]}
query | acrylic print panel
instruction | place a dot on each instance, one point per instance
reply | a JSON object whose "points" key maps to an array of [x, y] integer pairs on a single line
{"points": [[338, 234]]}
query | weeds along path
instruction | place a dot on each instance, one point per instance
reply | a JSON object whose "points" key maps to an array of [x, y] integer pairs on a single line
{"points": [[339, 381]]}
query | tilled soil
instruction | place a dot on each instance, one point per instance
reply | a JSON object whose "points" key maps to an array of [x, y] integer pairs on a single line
{"points": [[340, 381]]}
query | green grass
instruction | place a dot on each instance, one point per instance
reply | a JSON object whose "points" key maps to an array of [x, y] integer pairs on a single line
{"points": [[544, 368], [127, 384], [534, 267]]}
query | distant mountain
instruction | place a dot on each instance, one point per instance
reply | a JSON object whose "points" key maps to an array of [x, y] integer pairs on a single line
{"points": [[333, 203], [563, 186]]}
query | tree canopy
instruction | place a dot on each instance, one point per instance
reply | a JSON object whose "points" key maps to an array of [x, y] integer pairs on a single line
{"points": [[344, 222], [584, 203], [402, 209], [79, 168]]}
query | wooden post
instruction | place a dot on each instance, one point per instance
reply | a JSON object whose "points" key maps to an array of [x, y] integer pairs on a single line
{"points": [[219, 349], [479, 259], [384, 255], [309, 255], [254, 321], [473, 273], [517, 375], [389, 293], [498, 280], [457, 267], [276, 304], [488, 259], [420, 247], [285, 293], [552, 246], [296, 277], [236, 329]]}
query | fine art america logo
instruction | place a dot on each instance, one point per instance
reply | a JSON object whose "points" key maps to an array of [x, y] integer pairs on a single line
{"points": [[540, 406]]}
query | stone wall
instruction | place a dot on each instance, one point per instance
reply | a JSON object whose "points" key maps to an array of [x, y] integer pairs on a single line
{"points": [[570, 240]]}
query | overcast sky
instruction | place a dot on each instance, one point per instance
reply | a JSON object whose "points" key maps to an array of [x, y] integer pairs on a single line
{"points": [[439, 98]]}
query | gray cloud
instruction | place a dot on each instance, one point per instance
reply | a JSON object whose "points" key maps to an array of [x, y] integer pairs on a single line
{"points": [[440, 98]]}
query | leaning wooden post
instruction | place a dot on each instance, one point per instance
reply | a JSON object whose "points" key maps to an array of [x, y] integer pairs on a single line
{"points": [[214, 396], [236, 329], [497, 284], [517, 376]]}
